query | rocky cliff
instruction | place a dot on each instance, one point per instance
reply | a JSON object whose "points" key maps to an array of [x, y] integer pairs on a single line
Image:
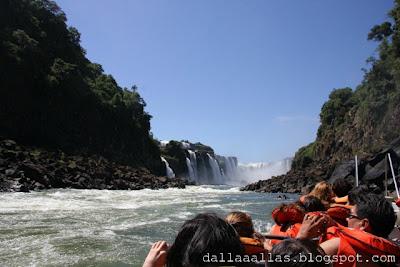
{"points": [[52, 96], [24, 168], [363, 122]]}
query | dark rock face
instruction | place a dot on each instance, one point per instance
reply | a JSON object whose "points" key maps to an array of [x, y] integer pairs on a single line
{"points": [[24, 169], [372, 171]]}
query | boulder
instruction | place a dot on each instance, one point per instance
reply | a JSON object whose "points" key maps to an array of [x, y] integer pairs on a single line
{"points": [[343, 170]]}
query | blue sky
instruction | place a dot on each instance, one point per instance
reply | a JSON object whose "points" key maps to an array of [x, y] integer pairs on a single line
{"points": [[245, 77]]}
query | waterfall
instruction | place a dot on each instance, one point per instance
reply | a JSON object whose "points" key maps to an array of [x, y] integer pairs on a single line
{"points": [[231, 166], [209, 168], [169, 171], [193, 161], [191, 170], [217, 177]]}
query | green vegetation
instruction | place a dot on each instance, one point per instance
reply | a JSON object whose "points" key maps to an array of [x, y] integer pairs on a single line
{"points": [[51, 95], [363, 120], [333, 112], [304, 156]]}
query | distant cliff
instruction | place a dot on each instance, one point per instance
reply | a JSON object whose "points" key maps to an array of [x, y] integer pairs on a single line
{"points": [[198, 163], [363, 122]]}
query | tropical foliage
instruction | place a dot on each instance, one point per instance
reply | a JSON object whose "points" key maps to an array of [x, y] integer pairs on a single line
{"points": [[362, 121], [52, 95]]}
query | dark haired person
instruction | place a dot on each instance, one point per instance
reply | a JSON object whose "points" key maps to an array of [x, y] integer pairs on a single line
{"points": [[341, 188], [370, 221], [372, 213], [312, 203], [296, 253], [204, 235]]}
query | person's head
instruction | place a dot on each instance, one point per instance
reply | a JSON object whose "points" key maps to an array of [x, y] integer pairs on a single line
{"points": [[204, 234], [296, 250], [372, 213], [323, 191], [341, 187], [360, 191], [312, 203], [242, 223]]}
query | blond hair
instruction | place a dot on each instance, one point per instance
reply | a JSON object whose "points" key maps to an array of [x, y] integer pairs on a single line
{"points": [[323, 191], [242, 223]]}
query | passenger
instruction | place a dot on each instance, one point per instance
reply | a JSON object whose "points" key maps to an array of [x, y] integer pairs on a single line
{"points": [[287, 218], [157, 256], [252, 241], [372, 213], [242, 223], [206, 234], [360, 191], [323, 191], [341, 188], [297, 252], [371, 220], [312, 203]]}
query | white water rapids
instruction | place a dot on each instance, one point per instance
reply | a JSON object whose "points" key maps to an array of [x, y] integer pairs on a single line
{"points": [[109, 228]]}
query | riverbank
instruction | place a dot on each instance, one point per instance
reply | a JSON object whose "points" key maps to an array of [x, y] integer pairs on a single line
{"points": [[372, 170], [24, 169]]}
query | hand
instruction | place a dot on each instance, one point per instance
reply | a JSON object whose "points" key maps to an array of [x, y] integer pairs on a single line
{"points": [[157, 256], [313, 226], [266, 242]]}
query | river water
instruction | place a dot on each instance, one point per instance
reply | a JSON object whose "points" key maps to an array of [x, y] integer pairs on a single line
{"points": [[110, 228]]}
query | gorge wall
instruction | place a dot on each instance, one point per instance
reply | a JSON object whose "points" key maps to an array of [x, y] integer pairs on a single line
{"points": [[363, 122]]}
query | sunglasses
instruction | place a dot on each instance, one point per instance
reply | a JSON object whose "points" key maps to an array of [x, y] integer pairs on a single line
{"points": [[352, 216]]}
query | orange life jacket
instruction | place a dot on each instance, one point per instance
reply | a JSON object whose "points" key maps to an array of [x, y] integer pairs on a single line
{"points": [[290, 231], [287, 214], [339, 214], [362, 242], [252, 246]]}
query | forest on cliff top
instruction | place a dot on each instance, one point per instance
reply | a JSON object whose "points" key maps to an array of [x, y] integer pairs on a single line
{"points": [[52, 96], [361, 121]]}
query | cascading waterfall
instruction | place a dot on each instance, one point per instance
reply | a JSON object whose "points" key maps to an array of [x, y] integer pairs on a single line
{"points": [[169, 171], [207, 168], [217, 177], [193, 161], [189, 165], [231, 166]]}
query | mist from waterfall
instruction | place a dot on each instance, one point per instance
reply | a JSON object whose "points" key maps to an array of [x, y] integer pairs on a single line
{"points": [[207, 168], [252, 172]]}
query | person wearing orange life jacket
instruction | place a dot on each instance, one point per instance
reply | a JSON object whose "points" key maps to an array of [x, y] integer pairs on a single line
{"points": [[287, 218], [323, 191], [341, 188], [253, 242], [370, 222]]}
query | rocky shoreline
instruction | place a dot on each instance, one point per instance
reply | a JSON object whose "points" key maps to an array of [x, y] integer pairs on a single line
{"points": [[23, 169], [371, 171], [293, 182]]}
